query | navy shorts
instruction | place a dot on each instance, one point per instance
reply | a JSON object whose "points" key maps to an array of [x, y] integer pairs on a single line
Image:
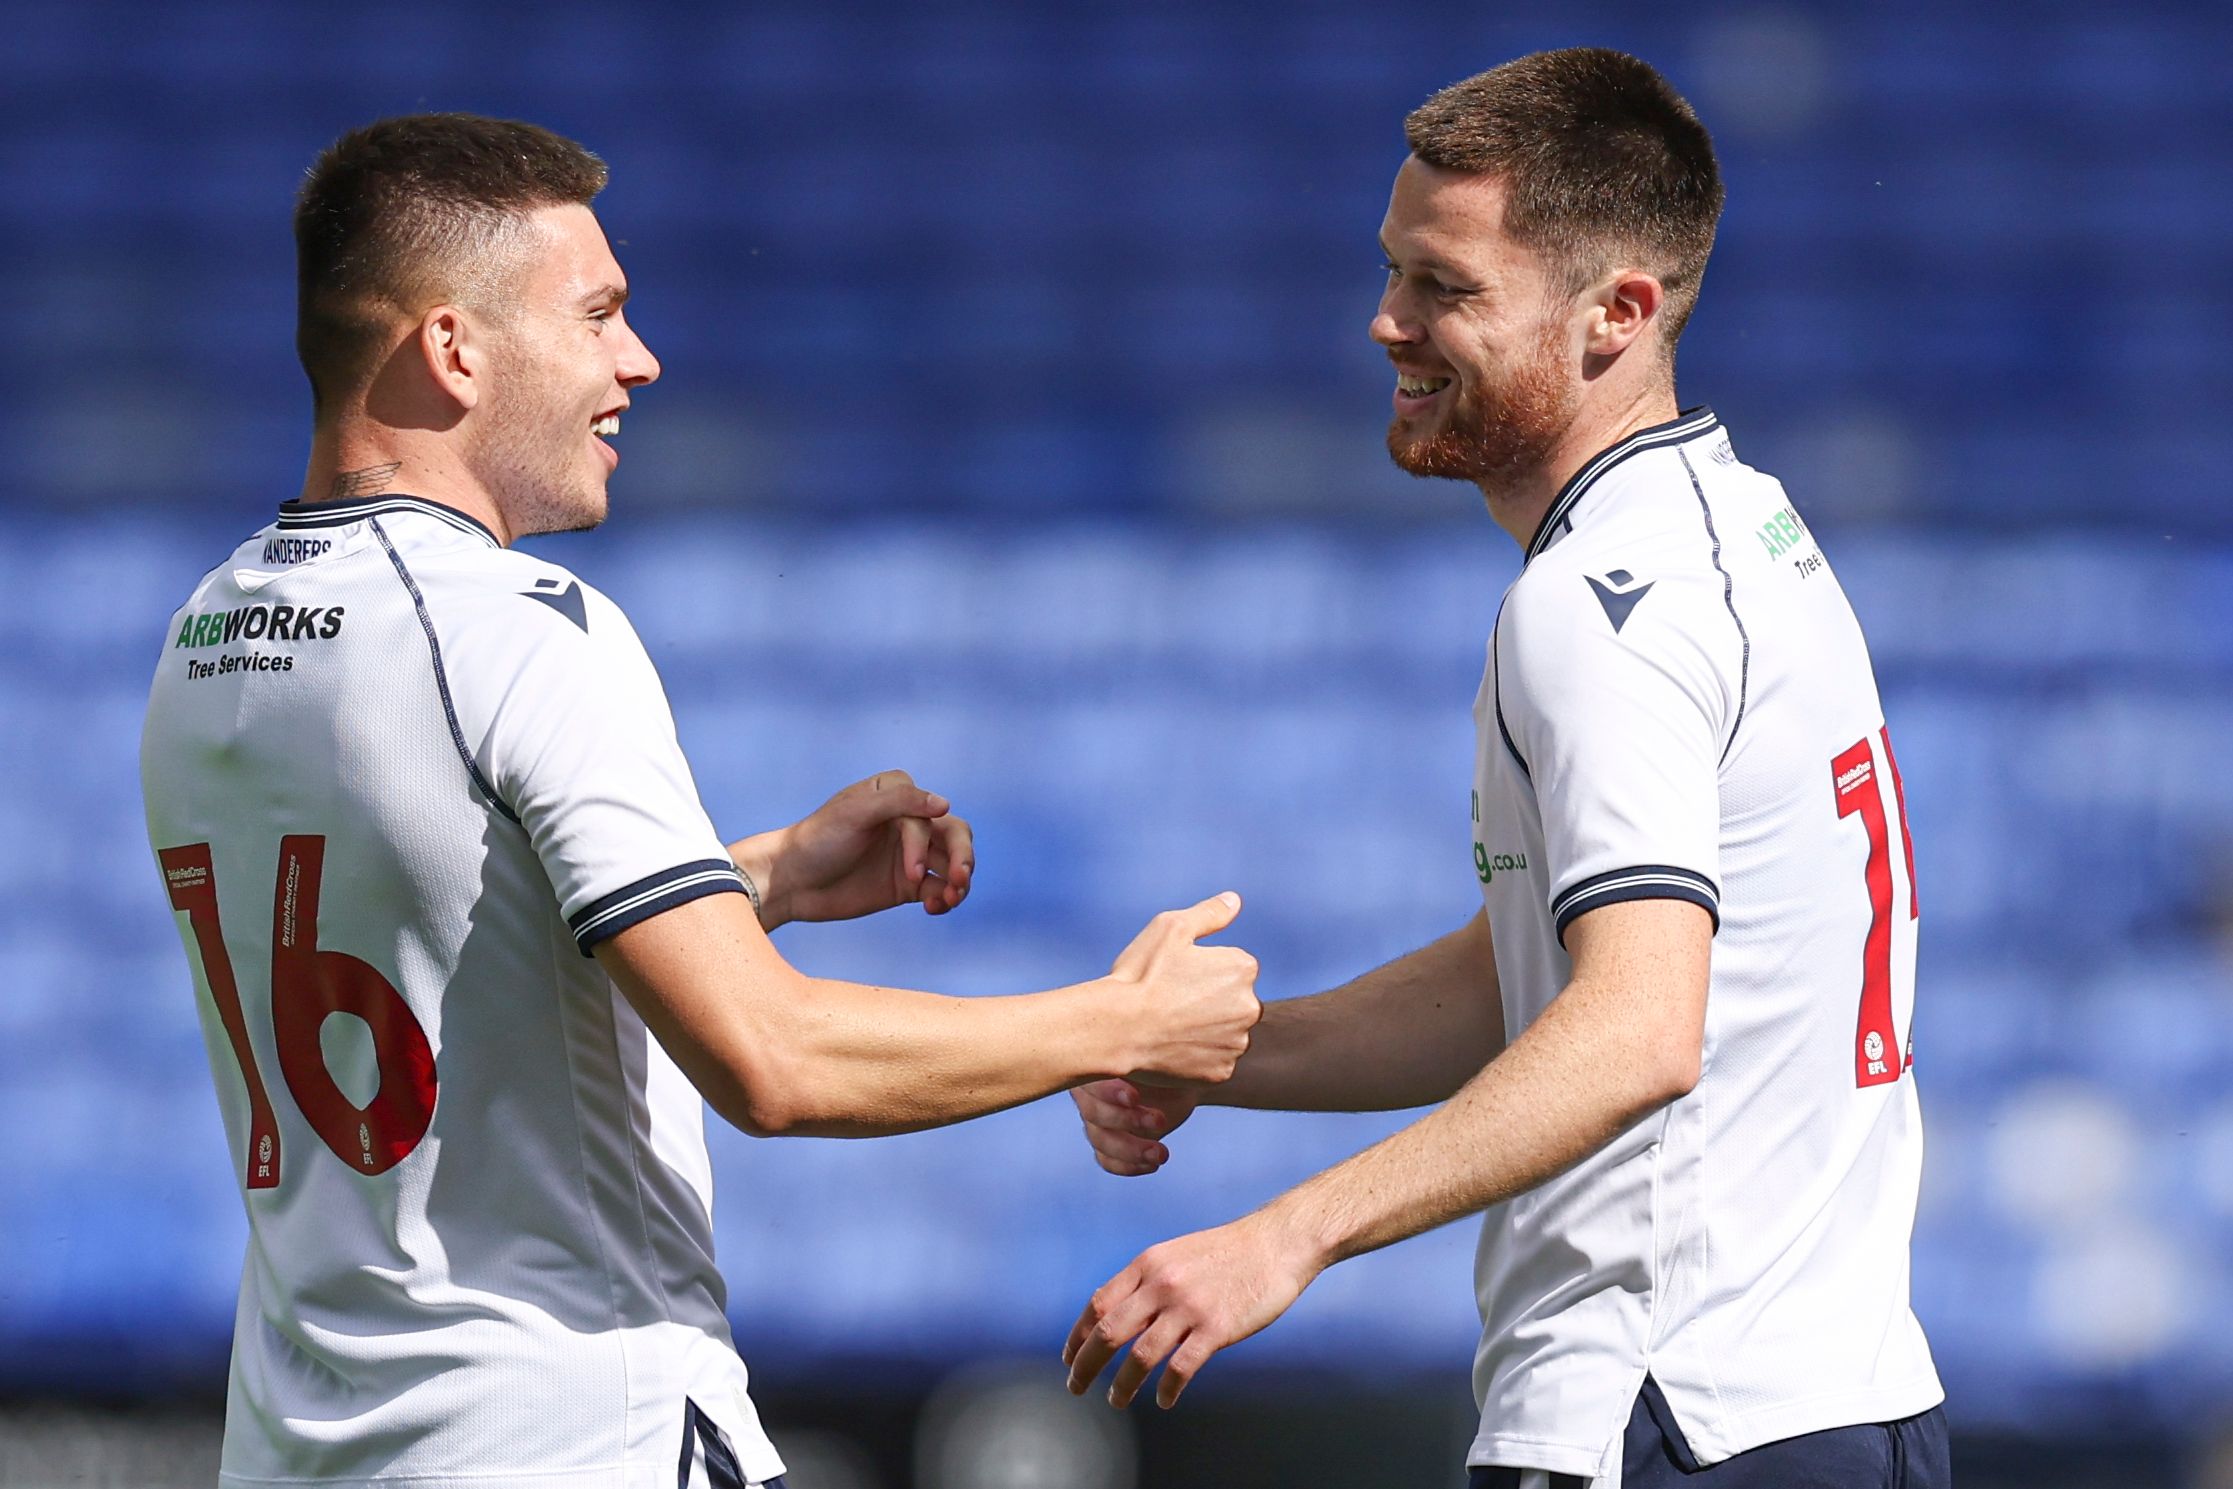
{"points": [[1908, 1454]]}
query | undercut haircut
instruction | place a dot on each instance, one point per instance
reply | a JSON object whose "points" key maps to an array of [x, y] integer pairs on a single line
{"points": [[407, 213], [1604, 165]]}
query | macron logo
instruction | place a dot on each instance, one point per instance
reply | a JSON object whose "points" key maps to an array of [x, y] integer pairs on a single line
{"points": [[1618, 592], [565, 598]]}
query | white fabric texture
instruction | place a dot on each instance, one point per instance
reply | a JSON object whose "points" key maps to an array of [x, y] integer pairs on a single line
{"points": [[480, 1239], [1672, 678]]}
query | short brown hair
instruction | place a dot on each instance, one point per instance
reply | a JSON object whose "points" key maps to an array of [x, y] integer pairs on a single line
{"points": [[402, 214], [1601, 158]]}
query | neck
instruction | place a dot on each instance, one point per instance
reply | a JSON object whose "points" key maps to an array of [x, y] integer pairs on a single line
{"points": [[1518, 499], [353, 457]]}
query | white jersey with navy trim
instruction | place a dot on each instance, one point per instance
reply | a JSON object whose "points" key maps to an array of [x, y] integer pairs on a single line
{"points": [[1678, 704], [400, 780]]}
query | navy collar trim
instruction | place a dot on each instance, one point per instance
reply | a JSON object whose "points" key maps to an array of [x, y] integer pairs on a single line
{"points": [[1678, 430], [300, 514]]}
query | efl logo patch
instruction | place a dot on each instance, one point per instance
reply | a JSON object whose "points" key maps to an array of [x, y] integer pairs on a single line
{"points": [[1619, 592]]}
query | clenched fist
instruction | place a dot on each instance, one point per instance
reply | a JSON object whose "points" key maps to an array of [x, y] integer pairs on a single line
{"points": [[1195, 1003]]}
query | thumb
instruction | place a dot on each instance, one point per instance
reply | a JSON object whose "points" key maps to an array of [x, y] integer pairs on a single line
{"points": [[1210, 916]]}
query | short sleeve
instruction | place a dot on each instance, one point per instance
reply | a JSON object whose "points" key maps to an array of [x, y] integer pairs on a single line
{"points": [[1620, 730], [581, 749]]}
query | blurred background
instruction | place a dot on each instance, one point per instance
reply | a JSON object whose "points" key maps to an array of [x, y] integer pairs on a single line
{"points": [[1019, 428]]}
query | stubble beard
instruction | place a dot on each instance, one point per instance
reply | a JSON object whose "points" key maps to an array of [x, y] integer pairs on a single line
{"points": [[533, 468], [1495, 435]]}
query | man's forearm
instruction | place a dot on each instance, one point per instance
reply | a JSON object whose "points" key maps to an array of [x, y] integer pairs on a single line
{"points": [[1607, 1052], [777, 1052], [1403, 1035], [817, 1057], [870, 1061]]}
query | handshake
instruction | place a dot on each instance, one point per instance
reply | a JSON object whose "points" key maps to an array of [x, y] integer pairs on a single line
{"points": [[1179, 1303], [1126, 1118], [1137, 1048]]}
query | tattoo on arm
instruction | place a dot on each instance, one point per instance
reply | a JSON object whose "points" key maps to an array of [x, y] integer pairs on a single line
{"points": [[752, 890], [370, 481]]}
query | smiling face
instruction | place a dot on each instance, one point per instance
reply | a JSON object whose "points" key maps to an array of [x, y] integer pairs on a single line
{"points": [[563, 362], [1482, 331]]}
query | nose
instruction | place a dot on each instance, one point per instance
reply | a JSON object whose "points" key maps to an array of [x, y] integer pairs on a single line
{"points": [[636, 365], [1387, 329]]}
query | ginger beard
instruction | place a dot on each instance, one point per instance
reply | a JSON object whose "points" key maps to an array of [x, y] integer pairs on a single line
{"points": [[1494, 430]]}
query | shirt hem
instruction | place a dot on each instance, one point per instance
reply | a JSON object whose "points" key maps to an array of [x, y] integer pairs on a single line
{"points": [[1502, 1450], [1741, 1434], [758, 1471], [564, 1478]]}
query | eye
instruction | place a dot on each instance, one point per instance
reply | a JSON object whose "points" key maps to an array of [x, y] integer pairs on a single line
{"points": [[1427, 282], [597, 319]]}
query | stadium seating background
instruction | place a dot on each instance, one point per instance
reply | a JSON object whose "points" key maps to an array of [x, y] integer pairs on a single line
{"points": [[1018, 427]]}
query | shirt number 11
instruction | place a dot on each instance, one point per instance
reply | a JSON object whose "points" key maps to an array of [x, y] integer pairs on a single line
{"points": [[1877, 1055]]}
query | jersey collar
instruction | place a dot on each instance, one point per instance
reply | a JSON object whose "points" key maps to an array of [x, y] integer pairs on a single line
{"points": [[1675, 431], [301, 514]]}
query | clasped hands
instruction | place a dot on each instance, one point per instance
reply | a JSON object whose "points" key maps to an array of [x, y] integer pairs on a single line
{"points": [[886, 842]]}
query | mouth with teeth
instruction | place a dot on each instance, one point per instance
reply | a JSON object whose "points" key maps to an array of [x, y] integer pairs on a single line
{"points": [[1415, 393], [603, 427]]}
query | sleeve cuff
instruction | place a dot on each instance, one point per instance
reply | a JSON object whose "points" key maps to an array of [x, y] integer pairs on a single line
{"points": [[606, 917], [1646, 881]]}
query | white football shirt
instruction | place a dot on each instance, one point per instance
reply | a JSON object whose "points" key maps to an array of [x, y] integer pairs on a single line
{"points": [[1679, 704], [399, 780]]}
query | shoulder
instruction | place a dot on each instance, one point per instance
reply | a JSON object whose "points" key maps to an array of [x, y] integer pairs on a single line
{"points": [[511, 627], [1630, 607], [1641, 573], [1752, 515], [517, 595]]}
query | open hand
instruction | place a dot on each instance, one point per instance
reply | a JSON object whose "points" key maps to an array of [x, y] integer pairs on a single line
{"points": [[877, 844], [1185, 1300]]}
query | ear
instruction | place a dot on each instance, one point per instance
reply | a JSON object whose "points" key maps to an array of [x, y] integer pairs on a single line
{"points": [[450, 346], [1625, 308]]}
